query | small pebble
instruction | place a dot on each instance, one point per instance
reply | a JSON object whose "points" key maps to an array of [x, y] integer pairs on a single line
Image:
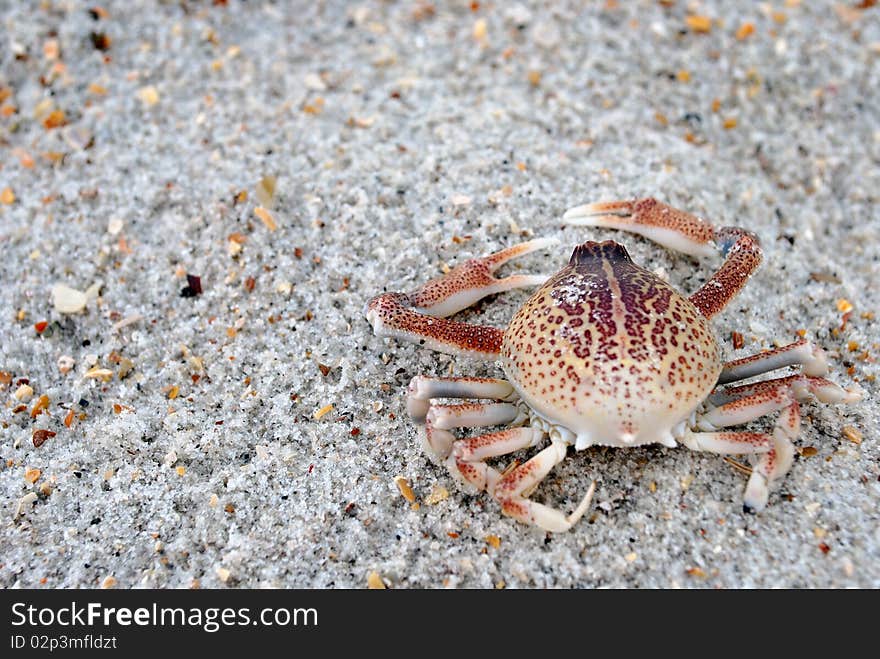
{"points": [[149, 95], [68, 300], [374, 581]]}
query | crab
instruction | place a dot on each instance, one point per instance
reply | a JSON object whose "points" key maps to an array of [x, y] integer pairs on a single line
{"points": [[604, 353]]}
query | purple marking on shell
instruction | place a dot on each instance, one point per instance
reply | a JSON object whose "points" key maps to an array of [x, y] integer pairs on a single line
{"points": [[607, 346]]}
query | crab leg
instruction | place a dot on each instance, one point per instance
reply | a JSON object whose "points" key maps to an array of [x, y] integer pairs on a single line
{"points": [[470, 415], [392, 315], [803, 353], [420, 316], [776, 453], [466, 459], [422, 389], [510, 492], [772, 466], [682, 232], [728, 442], [435, 421], [748, 402]]}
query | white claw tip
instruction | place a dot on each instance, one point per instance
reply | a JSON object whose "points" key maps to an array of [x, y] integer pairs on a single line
{"points": [[375, 321], [578, 212], [817, 364], [583, 506], [756, 495], [541, 243], [854, 394], [597, 214]]}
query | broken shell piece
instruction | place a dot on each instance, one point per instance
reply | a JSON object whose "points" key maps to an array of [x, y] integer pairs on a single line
{"points": [[438, 494], [266, 218], [128, 320], [93, 291], [314, 82], [67, 300], [149, 95], [375, 582], [78, 137], [24, 502], [24, 393], [65, 363], [114, 226], [125, 367], [266, 191], [405, 489], [104, 374]]}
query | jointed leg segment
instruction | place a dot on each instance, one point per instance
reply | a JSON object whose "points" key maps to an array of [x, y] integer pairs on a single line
{"points": [[471, 415], [422, 389], [437, 440], [803, 353], [736, 405], [775, 453], [465, 458], [773, 465], [749, 401], [511, 491], [420, 316]]}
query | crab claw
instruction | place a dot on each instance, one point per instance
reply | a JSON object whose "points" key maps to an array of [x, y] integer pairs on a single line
{"points": [[826, 391], [668, 226], [474, 279]]}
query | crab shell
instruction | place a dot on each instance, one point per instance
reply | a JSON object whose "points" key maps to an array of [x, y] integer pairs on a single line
{"points": [[607, 353]]}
